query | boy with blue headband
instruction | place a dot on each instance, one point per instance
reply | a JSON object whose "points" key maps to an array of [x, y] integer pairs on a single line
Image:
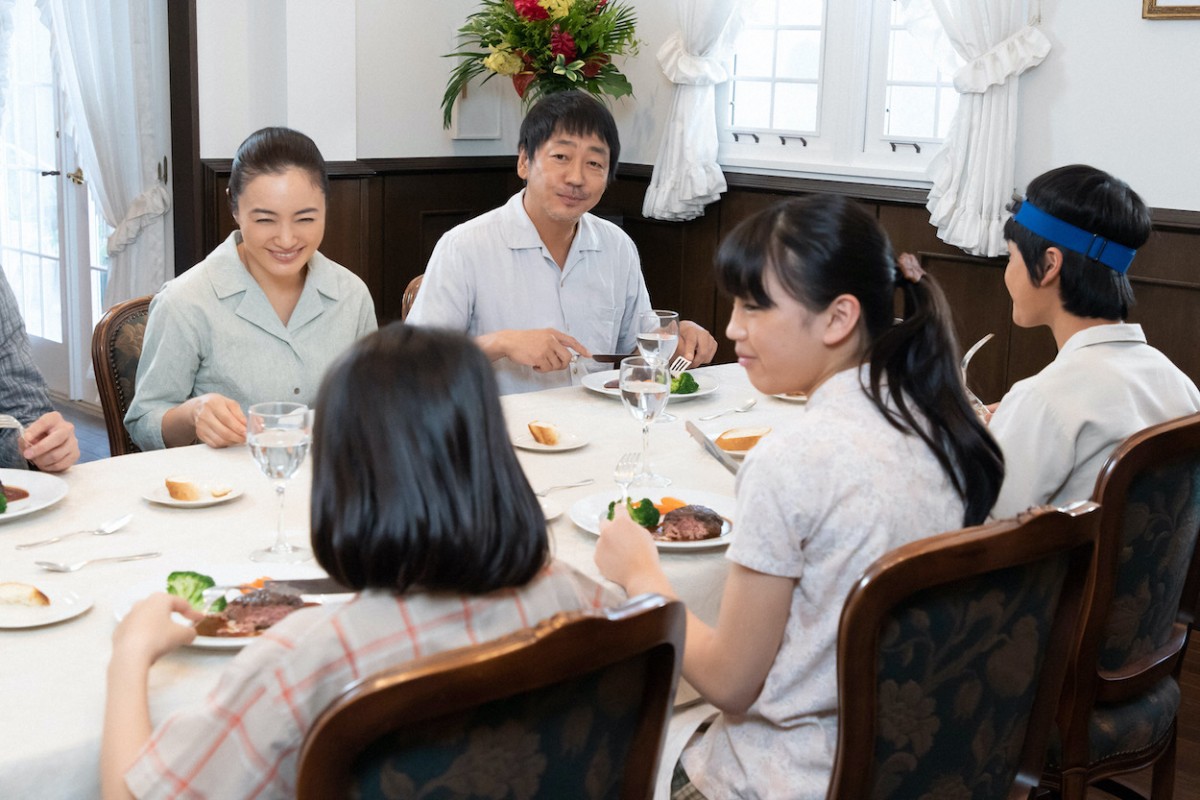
{"points": [[1070, 243]]}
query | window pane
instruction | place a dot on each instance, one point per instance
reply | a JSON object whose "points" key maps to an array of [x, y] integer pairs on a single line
{"points": [[48, 200], [45, 122], [762, 12], [755, 52], [910, 111], [801, 12], [51, 300], [908, 60], [796, 107], [751, 104], [799, 55], [948, 106]]}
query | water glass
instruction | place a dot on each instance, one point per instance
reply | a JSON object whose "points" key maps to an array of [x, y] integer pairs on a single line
{"points": [[278, 435], [645, 386]]}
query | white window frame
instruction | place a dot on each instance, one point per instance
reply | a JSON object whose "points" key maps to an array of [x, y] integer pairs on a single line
{"points": [[853, 75]]}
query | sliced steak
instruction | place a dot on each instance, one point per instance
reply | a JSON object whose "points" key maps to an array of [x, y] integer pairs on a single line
{"points": [[690, 523], [261, 609]]}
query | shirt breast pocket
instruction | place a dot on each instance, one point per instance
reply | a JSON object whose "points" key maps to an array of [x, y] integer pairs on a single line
{"points": [[600, 330]]}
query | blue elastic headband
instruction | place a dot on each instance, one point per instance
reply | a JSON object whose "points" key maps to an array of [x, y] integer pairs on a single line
{"points": [[1116, 257]]}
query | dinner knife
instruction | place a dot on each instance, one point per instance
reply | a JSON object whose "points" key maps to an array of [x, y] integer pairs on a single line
{"points": [[307, 586], [720, 455]]}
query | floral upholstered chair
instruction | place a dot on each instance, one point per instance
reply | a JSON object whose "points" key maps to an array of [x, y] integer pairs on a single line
{"points": [[116, 350], [574, 707], [951, 656], [1121, 699]]}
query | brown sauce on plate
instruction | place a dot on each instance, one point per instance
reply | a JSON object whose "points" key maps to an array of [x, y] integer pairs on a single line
{"points": [[14, 493]]}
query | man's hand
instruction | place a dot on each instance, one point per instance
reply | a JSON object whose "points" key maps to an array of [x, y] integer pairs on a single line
{"points": [[545, 349], [50, 443], [218, 420], [695, 344]]}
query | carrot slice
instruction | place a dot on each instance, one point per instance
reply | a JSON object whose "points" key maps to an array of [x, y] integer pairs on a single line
{"points": [[669, 504]]}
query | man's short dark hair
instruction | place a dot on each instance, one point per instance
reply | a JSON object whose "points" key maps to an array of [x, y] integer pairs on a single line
{"points": [[415, 483], [574, 113], [1095, 201]]}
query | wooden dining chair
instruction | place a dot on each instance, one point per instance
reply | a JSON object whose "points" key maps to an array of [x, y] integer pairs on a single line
{"points": [[410, 295], [574, 707], [951, 657], [116, 350], [1120, 704]]}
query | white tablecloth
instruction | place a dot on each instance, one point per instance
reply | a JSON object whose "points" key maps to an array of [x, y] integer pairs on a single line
{"points": [[52, 678]]}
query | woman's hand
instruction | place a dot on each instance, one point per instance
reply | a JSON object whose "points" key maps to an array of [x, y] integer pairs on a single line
{"points": [[218, 421], [626, 555], [148, 633]]}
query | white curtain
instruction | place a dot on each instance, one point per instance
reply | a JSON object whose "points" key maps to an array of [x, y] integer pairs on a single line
{"points": [[686, 174], [6, 32], [973, 173], [116, 96]]}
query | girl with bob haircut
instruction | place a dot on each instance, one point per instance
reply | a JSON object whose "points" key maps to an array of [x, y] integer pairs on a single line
{"points": [[420, 506], [887, 451], [265, 290]]}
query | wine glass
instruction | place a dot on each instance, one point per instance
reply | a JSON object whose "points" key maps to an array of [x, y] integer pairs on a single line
{"points": [[657, 337], [278, 435], [645, 385]]}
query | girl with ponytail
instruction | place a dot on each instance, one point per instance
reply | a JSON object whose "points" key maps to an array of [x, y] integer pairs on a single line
{"points": [[886, 451]]}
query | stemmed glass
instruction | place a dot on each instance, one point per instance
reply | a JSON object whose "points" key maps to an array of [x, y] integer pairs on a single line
{"points": [[278, 435], [657, 338], [645, 385]]}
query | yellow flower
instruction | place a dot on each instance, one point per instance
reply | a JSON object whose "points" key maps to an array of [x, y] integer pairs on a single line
{"points": [[556, 8], [503, 60]]}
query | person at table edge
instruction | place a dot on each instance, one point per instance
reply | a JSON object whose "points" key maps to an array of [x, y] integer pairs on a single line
{"points": [[1070, 243], [49, 442], [261, 318], [540, 280]]}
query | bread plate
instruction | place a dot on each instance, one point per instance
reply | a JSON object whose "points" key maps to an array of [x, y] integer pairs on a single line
{"points": [[586, 514], [792, 397], [160, 495], [596, 380], [228, 576], [566, 441], [44, 490], [550, 509], [64, 604]]}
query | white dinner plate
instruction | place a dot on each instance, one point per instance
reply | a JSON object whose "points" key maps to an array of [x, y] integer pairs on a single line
{"points": [[64, 604], [596, 380], [586, 513], [550, 509], [160, 495], [44, 490], [230, 575], [566, 441], [792, 397]]}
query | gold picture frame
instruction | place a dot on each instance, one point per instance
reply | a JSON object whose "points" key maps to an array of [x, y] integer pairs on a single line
{"points": [[1188, 10]]}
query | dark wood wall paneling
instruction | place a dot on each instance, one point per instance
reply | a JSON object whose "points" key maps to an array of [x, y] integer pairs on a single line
{"points": [[385, 216]]}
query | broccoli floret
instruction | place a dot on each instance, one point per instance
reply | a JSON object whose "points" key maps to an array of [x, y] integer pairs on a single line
{"points": [[3, 499], [642, 512], [684, 384], [190, 586]]}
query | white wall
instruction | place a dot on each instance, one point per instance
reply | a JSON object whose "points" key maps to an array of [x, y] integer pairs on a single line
{"points": [[365, 78]]}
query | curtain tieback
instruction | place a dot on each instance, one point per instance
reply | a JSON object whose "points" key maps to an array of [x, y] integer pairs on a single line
{"points": [[145, 208], [683, 67], [1024, 49]]}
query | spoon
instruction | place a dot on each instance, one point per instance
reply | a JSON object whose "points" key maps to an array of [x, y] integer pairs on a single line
{"points": [[550, 489], [112, 526], [746, 406], [55, 566]]}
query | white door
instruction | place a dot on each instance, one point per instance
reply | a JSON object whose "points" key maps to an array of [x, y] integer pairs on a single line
{"points": [[48, 225]]}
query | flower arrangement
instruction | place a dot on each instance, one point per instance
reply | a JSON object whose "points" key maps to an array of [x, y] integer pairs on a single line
{"points": [[545, 46]]}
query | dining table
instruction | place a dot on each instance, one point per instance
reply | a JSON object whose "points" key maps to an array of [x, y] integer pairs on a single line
{"points": [[52, 672]]}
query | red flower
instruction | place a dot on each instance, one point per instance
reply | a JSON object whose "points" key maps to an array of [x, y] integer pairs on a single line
{"points": [[600, 5], [529, 9], [592, 67], [562, 44], [521, 82]]}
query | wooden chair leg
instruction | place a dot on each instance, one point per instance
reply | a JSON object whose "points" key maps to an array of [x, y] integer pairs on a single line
{"points": [[1074, 785], [1162, 786]]}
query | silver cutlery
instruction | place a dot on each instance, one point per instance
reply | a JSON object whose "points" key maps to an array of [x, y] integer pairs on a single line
{"points": [[710, 447], [678, 366], [55, 566], [624, 472], [111, 526], [9, 421], [549, 489], [746, 406]]}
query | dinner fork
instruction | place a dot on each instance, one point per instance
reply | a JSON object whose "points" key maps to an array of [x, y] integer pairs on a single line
{"points": [[624, 472], [56, 566], [9, 421], [549, 489], [678, 366]]}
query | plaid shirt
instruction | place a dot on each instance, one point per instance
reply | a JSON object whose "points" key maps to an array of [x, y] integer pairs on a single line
{"points": [[23, 393], [244, 739]]}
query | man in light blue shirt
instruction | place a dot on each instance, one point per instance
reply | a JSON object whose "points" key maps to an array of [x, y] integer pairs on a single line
{"points": [[540, 281]]}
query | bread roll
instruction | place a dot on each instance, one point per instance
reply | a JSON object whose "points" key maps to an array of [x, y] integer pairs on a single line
{"points": [[22, 594], [182, 489], [219, 490], [544, 432], [740, 439]]}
